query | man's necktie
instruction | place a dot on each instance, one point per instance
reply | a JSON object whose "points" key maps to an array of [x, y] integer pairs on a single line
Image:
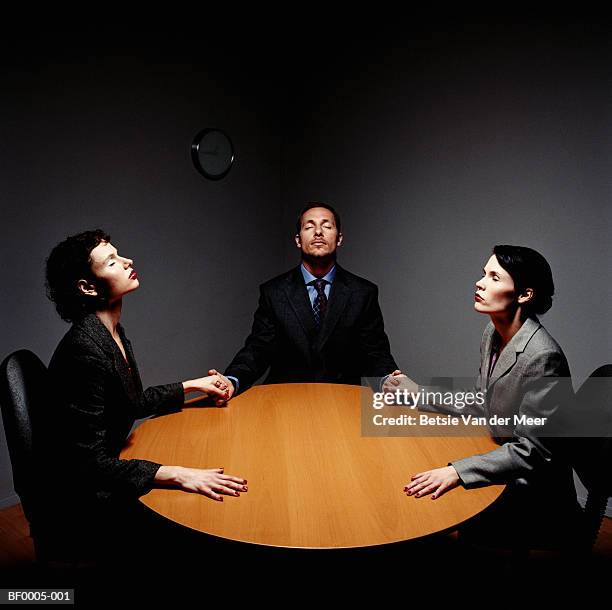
{"points": [[319, 307]]}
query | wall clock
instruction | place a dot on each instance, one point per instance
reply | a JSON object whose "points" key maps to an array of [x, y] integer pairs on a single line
{"points": [[212, 153]]}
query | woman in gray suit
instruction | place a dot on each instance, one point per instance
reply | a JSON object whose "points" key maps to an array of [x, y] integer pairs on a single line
{"points": [[524, 372]]}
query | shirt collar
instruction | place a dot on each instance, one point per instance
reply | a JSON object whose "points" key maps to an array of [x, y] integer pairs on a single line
{"points": [[308, 277]]}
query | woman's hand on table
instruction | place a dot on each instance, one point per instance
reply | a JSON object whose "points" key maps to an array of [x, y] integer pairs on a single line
{"points": [[210, 483], [435, 482]]}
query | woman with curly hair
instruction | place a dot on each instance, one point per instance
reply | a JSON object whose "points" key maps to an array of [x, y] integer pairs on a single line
{"points": [[98, 395]]}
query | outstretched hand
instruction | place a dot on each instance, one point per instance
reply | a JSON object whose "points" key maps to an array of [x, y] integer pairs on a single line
{"points": [[215, 386], [398, 381], [211, 483], [435, 482], [228, 385]]}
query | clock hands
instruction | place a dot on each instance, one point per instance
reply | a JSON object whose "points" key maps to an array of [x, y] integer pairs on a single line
{"points": [[214, 152]]}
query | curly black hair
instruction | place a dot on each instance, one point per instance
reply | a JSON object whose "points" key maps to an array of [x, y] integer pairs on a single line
{"points": [[69, 262], [529, 269]]}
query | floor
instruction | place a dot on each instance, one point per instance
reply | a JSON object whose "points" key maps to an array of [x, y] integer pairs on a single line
{"points": [[17, 568]]}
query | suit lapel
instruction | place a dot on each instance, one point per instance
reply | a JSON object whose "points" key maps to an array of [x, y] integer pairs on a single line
{"points": [[100, 334], [297, 294], [507, 359], [338, 298], [486, 349], [133, 377]]}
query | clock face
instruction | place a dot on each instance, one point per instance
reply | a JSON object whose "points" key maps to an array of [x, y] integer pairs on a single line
{"points": [[212, 153]]}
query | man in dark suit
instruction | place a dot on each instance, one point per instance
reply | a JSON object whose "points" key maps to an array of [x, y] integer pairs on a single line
{"points": [[317, 322]]}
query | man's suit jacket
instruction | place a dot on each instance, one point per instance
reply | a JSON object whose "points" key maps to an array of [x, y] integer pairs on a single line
{"points": [[531, 377], [97, 396], [350, 344]]}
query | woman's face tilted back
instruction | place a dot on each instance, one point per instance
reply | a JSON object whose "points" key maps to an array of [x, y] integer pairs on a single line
{"points": [[114, 271], [495, 292]]}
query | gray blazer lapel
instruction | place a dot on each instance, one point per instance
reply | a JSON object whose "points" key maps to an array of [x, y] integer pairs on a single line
{"points": [[485, 354], [507, 359], [338, 299]]}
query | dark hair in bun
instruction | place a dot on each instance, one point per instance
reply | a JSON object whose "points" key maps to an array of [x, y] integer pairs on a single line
{"points": [[528, 269]]}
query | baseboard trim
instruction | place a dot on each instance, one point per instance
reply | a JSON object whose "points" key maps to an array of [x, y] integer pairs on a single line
{"points": [[9, 501], [582, 499]]}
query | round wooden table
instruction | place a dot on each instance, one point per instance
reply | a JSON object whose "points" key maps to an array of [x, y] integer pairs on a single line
{"points": [[314, 481]]}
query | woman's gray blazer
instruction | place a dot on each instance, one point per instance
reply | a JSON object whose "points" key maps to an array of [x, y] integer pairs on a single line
{"points": [[531, 377]]}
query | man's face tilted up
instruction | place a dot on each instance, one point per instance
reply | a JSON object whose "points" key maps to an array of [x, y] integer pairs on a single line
{"points": [[318, 237]]}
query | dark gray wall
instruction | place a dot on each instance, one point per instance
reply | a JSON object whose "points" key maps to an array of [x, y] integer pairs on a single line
{"points": [[98, 138], [440, 148], [434, 149], [455, 140]]}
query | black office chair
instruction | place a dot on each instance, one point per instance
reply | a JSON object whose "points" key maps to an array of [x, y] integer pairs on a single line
{"points": [[23, 383], [585, 443], [591, 456]]}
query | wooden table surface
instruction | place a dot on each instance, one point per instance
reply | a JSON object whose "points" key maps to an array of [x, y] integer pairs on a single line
{"points": [[314, 481]]}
